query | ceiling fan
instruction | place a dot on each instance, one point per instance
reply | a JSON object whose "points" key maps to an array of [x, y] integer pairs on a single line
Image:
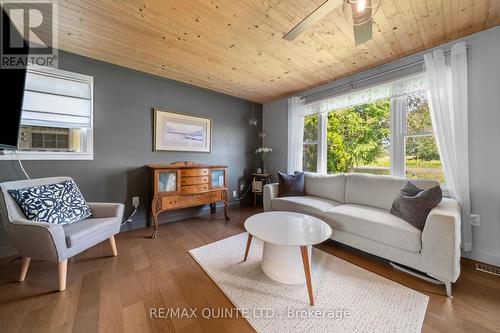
{"points": [[359, 13]]}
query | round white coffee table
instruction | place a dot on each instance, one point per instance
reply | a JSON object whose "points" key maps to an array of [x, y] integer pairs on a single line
{"points": [[288, 238]]}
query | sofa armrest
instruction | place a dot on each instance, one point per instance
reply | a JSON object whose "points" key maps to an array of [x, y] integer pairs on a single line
{"points": [[441, 241], [39, 240], [103, 210], [270, 192]]}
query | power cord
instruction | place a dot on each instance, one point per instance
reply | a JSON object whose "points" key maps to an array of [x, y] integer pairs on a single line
{"points": [[130, 219], [241, 198], [21, 165]]}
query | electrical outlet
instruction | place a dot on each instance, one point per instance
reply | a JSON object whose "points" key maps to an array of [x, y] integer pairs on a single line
{"points": [[242, 187], [135, 201], [234, 194], [475, 220]]}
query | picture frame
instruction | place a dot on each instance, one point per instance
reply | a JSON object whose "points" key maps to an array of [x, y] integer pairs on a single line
{"points": [[175, 131]]}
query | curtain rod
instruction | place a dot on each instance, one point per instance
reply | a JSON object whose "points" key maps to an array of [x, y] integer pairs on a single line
{"points": [[355, 82]]}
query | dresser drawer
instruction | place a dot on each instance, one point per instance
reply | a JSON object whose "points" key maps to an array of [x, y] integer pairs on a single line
{"points": [[171, 202], [194, 180], [192, 189], [187, 200], [201, 198], [194, 172]]}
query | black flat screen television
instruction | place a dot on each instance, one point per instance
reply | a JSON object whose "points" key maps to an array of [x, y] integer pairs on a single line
{"points": [[12, 83]]}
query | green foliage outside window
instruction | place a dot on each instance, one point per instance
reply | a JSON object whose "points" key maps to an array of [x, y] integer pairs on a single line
{"points": [[358, 139], [357, 135]]}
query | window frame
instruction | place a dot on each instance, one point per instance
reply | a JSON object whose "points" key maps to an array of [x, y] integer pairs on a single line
{"points": [[316, 142], [86, 135], [399, 134]]}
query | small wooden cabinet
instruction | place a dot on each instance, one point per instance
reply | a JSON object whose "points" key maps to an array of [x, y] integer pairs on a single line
{"points": [[187, 184]]}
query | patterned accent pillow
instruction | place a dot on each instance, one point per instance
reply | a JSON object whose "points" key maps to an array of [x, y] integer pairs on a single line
{"points": [[61, 203]]}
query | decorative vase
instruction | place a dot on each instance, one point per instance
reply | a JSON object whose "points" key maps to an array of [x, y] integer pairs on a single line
{"points": [[264, 167]]}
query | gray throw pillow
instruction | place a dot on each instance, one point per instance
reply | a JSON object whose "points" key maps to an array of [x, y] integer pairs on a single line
{"points": [[414, 204], [290, 185]]}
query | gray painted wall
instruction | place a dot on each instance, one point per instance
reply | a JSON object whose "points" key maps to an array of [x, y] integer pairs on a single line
{"points": [[275, 124], [123, 137], [484, 135]]}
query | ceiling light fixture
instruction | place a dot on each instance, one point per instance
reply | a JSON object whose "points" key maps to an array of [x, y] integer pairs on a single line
{"points": [[359, 12], [252, 122]]}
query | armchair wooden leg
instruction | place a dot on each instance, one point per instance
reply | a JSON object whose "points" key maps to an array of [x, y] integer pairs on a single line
{"points": [[25, 263], [113, 245], [63, 269]]}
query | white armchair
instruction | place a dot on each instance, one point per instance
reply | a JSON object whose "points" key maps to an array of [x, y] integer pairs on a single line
{"points": [[56, 242]]}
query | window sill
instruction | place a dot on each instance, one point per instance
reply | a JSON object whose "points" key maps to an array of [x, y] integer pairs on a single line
{"points": [[42, 155]]}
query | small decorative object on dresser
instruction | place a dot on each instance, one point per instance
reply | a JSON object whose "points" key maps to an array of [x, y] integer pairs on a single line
{"points": [[187, 184]]}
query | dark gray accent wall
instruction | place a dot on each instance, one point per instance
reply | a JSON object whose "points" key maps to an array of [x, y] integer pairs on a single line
{"points": [[123, 136]]}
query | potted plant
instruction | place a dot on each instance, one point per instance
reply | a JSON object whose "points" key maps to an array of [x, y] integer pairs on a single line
{"points": [[264, 152]]}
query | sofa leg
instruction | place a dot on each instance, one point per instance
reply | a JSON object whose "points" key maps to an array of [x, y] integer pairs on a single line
{"points": [[448, 289], [112, 243], [25, 263], [63, 269]]}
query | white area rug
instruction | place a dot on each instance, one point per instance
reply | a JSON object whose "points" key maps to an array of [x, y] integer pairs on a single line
{"points": [[348, 298]]}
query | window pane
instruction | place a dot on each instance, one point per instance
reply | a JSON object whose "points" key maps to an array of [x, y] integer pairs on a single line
{"points": [[422, 158], [311, 128], [358, 139], [310, 157], [418, 118]]}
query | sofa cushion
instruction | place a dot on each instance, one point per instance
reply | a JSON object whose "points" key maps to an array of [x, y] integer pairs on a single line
{"points": [[325, 186], [290, 185], [304, 204], [88, 230], [376, 224], [378, 191], [414, 204]]}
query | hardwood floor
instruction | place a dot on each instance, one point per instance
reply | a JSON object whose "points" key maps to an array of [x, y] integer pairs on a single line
{"points": [[114, 294]]}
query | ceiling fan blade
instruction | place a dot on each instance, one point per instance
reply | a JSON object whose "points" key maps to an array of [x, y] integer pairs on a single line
{"points": [[318, 14], [363, 33]]}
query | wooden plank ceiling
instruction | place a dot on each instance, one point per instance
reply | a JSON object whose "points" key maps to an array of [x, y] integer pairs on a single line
{"points": [[235, 46]]}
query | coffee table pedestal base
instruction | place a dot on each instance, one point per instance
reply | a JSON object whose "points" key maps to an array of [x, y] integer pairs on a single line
{"points": [[284, 263]]}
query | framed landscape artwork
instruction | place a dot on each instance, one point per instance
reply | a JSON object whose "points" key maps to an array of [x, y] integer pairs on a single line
{"points": [[175, 131]]}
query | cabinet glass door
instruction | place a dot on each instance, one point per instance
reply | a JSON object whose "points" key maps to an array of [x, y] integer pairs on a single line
{"points": [[217, 179], [167, 181]]}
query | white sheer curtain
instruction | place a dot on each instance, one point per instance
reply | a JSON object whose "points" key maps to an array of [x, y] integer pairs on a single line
{"points": [[448, 96], [295, 133]]}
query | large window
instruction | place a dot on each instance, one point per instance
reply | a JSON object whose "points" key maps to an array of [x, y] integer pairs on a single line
{"points": [[57, 116], [358, 138], [310, 153], [421, 152], [391, 135]]}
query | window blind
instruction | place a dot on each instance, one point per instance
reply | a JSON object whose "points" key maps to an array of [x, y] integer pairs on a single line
{"points": [[57, 98], [372, 94]]}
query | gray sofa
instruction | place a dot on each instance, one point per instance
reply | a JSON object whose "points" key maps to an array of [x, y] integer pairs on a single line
{"points": [[357, 206], [56, 242]]}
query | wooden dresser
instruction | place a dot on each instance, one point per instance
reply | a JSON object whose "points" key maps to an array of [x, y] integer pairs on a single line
{"points": [[187, 184]]}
